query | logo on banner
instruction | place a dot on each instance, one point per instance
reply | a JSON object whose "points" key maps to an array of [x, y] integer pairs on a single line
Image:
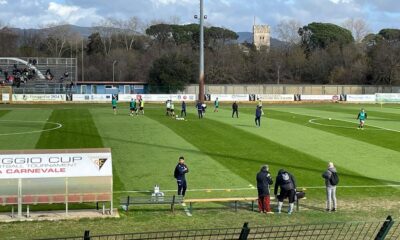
{"points": [[99, 162]]}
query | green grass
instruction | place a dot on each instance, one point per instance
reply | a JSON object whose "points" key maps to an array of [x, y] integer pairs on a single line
{"points": [[222, 153]]}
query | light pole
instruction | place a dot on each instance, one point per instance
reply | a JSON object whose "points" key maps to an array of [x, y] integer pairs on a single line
{"points": [[201, 64], [114, 62]]}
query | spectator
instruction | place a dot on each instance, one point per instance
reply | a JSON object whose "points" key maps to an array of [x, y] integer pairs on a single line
{"points": [[264, 180], [235, 109], [331, 180], [287, 184], [180, 171]]}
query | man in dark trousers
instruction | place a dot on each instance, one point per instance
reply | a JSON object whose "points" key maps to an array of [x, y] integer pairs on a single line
{"points": [[199, 107], [331, 180], [183, 111], [258, 116], [287, 184], [180, 170], [235, 109], [264, 180]]}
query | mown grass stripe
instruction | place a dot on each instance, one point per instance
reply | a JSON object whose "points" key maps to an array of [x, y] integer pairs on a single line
{"points": [[78, 131]]}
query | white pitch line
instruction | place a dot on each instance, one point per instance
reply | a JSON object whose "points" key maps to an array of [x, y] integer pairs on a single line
{"points": [[58, 125], [312, 121], [238, 189], [313, 115]]}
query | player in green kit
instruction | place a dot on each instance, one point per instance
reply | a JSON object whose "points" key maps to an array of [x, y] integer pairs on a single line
{"points": [[362, 116], [216, 105], [114, 104], [132, 107]]}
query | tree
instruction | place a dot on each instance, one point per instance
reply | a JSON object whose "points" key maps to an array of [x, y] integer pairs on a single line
{"points": [[390, 34], [287, 31], [95, 45], [57, 38], [321, 35], [358, 27], [170, 73]]}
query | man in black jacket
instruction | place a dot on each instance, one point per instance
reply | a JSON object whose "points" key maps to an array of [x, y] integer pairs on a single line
{"points": [[264, 179], [235, 109], [180, 170], [287, 184]]}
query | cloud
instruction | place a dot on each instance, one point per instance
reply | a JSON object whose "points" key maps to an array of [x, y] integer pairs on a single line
{"points": [[234, 14], [3, 2]]}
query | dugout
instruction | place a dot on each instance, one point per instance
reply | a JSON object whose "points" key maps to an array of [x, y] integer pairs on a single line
{"points": [[32, 177]]}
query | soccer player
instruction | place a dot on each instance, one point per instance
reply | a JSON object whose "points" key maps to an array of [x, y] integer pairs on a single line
{"points": [[114, 104], [264, 180], [199, 109], [362, 116], [287, 184], [260, 105], [183, 111], [141, 106], [168, 105], [203, 108], [180, 171], [235, 109], [172, 109], [132, 106], [216, 105], [258, 116]]}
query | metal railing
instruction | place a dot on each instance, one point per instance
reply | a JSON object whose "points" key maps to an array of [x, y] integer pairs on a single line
{"points": [[378, 230]]}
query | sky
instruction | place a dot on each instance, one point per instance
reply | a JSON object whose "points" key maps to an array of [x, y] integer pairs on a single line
{"points": [[237, 15]]}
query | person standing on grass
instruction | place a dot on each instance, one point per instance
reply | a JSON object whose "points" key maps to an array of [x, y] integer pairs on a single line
{"points": [[180, 171], [141, 106], [258, 116], [264, 180], [331, 180], [114, 104], [260, 105], [132, 106], [235, 109], [199, 109], [216, 105], [362, 116], [168, 106], [172, 109], [183, 107], [287, 184]]}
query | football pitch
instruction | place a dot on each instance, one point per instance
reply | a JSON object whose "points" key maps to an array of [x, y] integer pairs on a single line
{"points": [[223, 155]]}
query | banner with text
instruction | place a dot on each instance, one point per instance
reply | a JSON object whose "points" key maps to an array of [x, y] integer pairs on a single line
{"points": [[91, 98], [276, 97], [388, 97], [53, 163], [157, 97], [230, 97], [361, 98], [38, 97], [320, 98]]}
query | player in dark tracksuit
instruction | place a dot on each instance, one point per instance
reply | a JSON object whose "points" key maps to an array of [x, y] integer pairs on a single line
{"points": [[183, 111], [264, 180], [199, 109], [235, 109], [258, 116], [180, 170], [287, 184]]}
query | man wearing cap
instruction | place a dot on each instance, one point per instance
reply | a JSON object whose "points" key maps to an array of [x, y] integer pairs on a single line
{"points": [[180, 170], [264, 180]]}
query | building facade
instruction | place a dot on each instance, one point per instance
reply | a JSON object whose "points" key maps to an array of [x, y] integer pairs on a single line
{"points": [[261, 36]]}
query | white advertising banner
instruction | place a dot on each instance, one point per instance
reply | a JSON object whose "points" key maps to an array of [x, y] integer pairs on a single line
{"points": [[157, 97], [230, 97], [91, 97], [361, 98], [38, 97], [276, 97], [388, 97], [5, 97], [55, 163], [320, 98]]}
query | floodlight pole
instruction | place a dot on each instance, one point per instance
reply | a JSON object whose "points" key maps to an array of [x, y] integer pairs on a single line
{"points": [[201, 75], [114, 62]]}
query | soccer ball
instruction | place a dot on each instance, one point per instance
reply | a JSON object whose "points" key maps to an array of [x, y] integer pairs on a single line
{"points": [[330, 119]]}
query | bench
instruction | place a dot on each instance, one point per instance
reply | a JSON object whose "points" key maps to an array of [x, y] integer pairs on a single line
{"points": [[166, 200], [235, 200]]}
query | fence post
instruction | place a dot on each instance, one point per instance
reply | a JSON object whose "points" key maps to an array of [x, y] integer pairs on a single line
{"points": [[86, 235], [385, 228], [245, 231]]}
